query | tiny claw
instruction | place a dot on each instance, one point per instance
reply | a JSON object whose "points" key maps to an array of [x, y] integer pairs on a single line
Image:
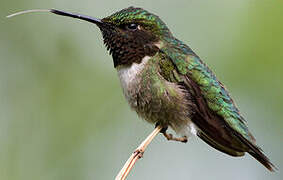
{"points": [[184, 140]]}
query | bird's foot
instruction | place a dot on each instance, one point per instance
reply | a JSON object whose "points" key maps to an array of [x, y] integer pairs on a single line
{"points": [[170, 137]]}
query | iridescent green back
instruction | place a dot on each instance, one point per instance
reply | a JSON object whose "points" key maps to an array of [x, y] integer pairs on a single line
{"points": [[216, 96]]}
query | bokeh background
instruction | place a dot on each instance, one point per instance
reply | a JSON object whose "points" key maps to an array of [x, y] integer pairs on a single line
{"points": [[63, 115]]}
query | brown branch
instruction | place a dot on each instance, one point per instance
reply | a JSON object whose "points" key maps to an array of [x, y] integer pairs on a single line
{"points": [[137, 155]]}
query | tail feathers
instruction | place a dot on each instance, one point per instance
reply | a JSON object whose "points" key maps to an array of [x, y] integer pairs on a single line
{"points": [[257, 152], [258, 155]]}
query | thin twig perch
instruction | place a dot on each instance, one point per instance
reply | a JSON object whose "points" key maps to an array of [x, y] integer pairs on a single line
{"points": [[137, 155]]}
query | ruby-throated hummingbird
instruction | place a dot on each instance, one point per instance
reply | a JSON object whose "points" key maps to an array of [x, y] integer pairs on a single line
{"points": [[167, 84]]}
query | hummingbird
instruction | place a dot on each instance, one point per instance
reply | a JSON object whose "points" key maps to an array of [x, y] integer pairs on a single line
{"points": [[167, 84]]}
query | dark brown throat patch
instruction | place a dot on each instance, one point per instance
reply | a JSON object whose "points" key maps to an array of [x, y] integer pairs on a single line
{"points": [[128, 47]]}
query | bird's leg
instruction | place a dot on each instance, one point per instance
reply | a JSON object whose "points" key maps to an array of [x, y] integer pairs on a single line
{"points": [[170, 137]]}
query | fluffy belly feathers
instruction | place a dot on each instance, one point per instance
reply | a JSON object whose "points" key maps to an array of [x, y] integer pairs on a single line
{"points": [[155, 99]]}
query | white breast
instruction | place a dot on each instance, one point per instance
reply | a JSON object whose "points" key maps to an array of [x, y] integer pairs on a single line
{"points": [[130, 80], [128, 75]]}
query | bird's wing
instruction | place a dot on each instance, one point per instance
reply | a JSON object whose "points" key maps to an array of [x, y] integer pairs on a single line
{"points": [[196, 73], [216, 114]]}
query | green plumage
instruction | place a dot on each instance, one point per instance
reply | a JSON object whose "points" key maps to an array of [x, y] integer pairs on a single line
{"points": [[139, 15], [165, 82], [215, 113], [211, 108], [216, 96]]}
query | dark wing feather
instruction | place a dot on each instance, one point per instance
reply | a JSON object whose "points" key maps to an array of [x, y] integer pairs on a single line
{"points": [[216, 115], [218, 134], [214, 130]]}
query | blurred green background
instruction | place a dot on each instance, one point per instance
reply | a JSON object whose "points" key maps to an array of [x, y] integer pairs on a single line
{"points": [[63, 114]]}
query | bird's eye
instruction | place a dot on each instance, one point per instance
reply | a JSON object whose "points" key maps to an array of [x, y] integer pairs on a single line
{"points": [[132, 26]]}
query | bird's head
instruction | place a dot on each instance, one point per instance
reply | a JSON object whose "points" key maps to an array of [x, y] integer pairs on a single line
{"points": [[129, 34]]}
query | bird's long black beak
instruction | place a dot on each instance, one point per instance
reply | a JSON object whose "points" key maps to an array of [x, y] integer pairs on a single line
{"points": [[62, 13], [78, 16]]}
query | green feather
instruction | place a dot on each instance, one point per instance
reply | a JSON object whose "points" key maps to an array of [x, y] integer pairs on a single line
{"points": [[216, 96], [138, 15]]}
